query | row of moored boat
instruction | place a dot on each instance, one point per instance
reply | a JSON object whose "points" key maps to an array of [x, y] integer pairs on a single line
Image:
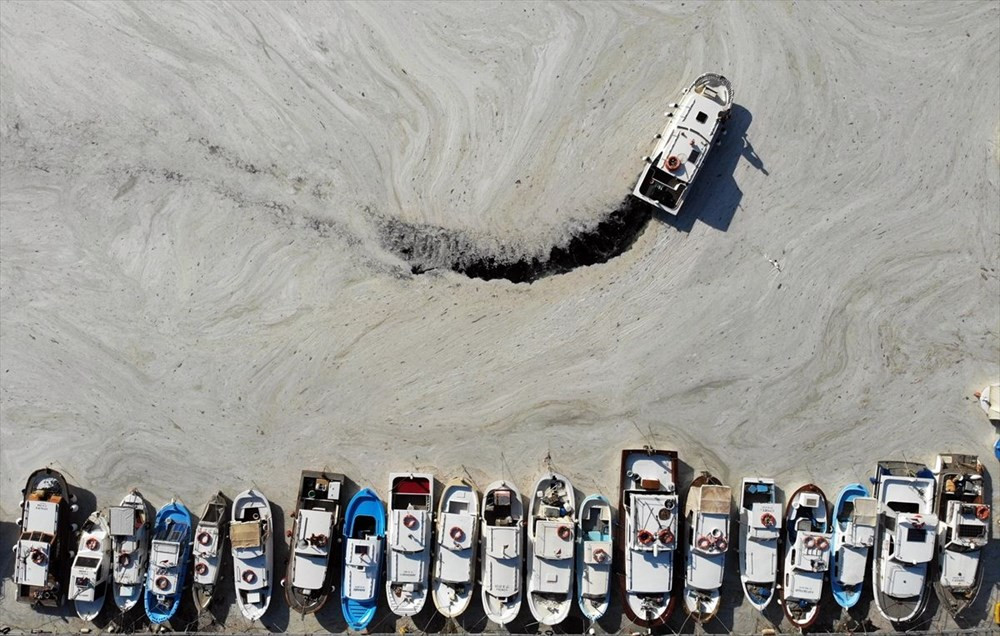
{"points": [[925, 527]]}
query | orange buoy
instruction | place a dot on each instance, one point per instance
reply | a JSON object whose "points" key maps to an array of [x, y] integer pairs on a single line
{"points": [[249, 576], [982, 513], [92, 544], [162, 583], [204, 538], [600, 555], [704, 542], [665, 536], [201, 569]]}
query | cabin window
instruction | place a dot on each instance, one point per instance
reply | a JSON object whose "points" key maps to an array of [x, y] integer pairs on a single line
{"points": [[916, 535], [701, 117], [695, 153]]}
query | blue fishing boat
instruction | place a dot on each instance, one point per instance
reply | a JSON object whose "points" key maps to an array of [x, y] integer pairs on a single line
{"points": [[855, 516], [364, 534], [168, 562]]}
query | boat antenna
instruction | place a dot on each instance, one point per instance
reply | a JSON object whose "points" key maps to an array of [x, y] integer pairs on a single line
{"points": [[647, 436]]}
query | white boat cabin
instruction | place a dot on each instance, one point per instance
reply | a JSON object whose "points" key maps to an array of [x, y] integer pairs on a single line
{"points": [[856, 541], [164, 558], [709, 536], [363, 557], [809, 559], [312, 548], [460, 521], [966, 534], [501, 577], [760, 552]]}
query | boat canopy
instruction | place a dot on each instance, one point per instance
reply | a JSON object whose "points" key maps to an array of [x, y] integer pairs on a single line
{"points": [[245, 534]]}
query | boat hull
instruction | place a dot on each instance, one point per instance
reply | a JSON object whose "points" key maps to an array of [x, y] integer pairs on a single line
{"points": [[644, 609], [364, 519], [209, 548], [843, 594], [502, 563], [453, 580], [40, 570], [311, 544], [758, 500], [593, 559], [88, 585], [131, 552], [408, 555], [551, 607], [253, 556], [162, 607], [801, 612]]}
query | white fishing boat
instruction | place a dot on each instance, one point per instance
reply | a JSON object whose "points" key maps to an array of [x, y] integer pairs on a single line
{"points": [[251, 535], [502, 538], [964, 530], [682, 148], [706, 516], [648, 519], [807, 555], [411, 518], [131, 525], [209, 542], [989, 401], [311, 560], [854, 519], [43, 548], [905, 539], [760, 533], [90, 575], [593, 559], [454, 570], [550, 558]]}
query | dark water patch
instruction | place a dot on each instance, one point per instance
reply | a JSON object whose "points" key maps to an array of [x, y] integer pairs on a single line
{"points": [[429, 248]]}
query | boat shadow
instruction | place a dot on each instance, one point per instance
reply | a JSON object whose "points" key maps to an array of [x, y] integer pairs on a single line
{"points": [[9, 532], [715, 195]]}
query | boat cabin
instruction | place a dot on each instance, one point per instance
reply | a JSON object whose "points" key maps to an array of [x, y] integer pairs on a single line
{"points": [[458, 518], [810, 559], [966, 534], [165, 555], [362, 561], [553, 570], [311, 548]]}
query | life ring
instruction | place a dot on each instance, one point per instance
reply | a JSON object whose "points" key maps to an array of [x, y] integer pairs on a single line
{"points": [[768, 520], [457, 534], [249, 576], [204, 538], [645, 537], [319, 540], [673, 162], [124, 559], [201, 569], [822, 543], [600, 555], [410, 521], [704, 542], [721, 544], [810, 542], [37, 557], [565, 532], [982, 513], [92, 544], [162, 583], [665, 536]]}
